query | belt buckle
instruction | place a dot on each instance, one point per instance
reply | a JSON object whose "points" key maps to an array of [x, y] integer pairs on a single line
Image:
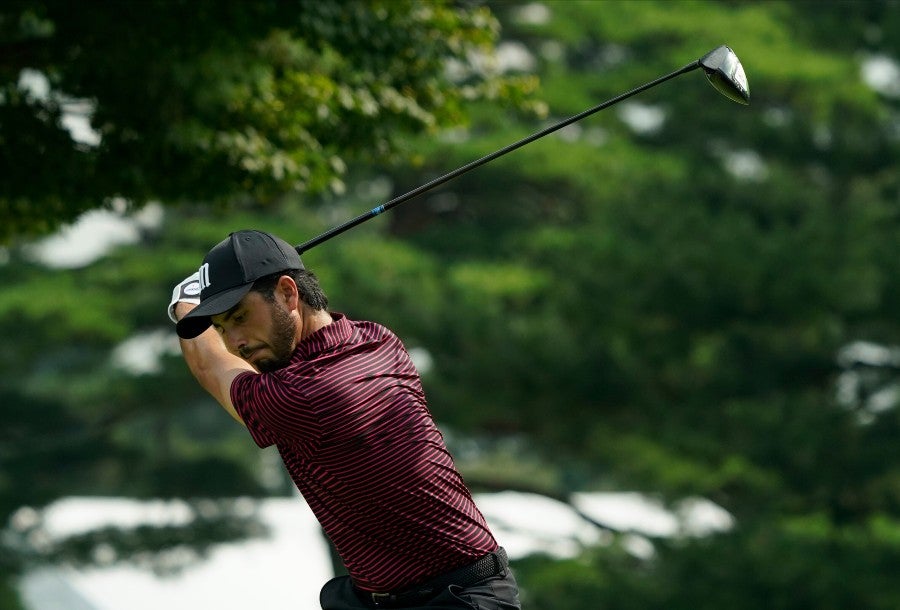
{"points": [[381, 598]]}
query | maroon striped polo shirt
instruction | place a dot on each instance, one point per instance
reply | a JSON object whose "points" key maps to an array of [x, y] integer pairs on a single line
{"points": [[349, 417]]}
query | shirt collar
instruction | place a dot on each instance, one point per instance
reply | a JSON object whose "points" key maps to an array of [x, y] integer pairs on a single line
{"points": [[327, 337]]}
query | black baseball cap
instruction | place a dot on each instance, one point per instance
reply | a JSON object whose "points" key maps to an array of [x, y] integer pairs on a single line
{"points": [[228, 272]]}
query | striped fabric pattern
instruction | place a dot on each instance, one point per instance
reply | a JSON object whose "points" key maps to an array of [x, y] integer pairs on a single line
{"points": [[350, 420]]}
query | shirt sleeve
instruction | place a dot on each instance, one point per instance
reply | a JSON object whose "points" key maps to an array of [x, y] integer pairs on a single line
{"points": [[273, 409], [241, 398]]}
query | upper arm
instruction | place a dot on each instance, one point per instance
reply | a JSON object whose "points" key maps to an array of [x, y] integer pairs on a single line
{"points": [[214, 367]]}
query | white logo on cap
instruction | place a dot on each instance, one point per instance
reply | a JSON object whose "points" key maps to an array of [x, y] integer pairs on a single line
{"points": [[204, 276]]}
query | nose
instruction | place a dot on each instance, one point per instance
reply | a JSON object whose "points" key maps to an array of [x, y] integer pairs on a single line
{"points": [[234, 341]]}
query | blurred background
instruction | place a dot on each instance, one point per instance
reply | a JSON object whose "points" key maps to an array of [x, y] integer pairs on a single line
{"points": [[663, 343]]}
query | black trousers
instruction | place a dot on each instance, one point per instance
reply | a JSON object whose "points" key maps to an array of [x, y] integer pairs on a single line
{"points": [[495, 593]]}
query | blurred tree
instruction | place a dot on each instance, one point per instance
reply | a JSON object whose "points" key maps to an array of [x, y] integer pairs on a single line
{"points": [[222, 101]]}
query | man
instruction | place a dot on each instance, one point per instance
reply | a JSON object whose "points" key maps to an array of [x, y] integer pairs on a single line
{"points": [[343, 403]]}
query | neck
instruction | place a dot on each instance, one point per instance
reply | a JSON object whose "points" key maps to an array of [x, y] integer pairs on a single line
{"points": [[311, 320]]}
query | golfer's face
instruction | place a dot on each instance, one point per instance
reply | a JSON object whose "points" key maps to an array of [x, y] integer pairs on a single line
{"points": [[248, 328]]}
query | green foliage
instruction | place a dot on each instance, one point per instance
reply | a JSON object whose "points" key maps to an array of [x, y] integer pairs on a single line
{"points": [[9, 597], [816, 566], [239, 100]]}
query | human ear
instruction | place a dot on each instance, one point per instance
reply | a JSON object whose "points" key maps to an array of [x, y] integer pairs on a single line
{"points": [[287, 290]]}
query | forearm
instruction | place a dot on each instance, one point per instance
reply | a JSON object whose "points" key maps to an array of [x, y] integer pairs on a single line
{"points": [[212, 364]]}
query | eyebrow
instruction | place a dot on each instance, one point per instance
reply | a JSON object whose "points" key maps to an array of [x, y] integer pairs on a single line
{"points": [[228, 314]]}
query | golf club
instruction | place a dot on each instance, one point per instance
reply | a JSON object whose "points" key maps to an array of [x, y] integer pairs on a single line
{"points": [[722, 68]]}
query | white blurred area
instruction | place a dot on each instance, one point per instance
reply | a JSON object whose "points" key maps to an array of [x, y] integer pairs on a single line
{"points": [[287, 568], [282, 570], [94, 234]]}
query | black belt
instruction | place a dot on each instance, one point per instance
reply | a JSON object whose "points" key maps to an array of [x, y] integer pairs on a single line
{"points": [[488, 566]]}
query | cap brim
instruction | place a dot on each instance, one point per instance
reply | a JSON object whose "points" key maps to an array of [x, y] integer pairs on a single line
{"points": [[198, 320]]}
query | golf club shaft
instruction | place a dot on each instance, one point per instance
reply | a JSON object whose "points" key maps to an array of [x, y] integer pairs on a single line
{"points": [[478, 162]]}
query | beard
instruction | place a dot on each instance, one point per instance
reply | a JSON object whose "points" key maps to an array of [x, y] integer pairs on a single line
{"points": [[282, 344]]}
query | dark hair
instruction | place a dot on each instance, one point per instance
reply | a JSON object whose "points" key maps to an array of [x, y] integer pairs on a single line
{"points": [[307, 285]]}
